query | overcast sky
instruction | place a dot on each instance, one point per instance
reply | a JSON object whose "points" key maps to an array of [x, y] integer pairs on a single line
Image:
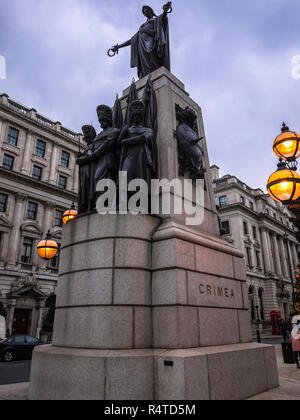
{"points": [[234, 56]]}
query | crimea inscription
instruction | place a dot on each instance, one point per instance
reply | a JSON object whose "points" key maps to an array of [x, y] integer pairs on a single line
{"points": [[216, 291], [206, 290]]}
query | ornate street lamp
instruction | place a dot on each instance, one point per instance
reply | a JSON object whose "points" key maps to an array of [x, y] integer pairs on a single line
{"points": [[287, 144], [284, 184], [47, 249], [70, 214]]}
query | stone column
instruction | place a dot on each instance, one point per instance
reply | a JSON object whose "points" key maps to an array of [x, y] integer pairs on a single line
{"points": [[54, 161], [283, 259], [47, 224], [40, 319], [15, 232], [26, 163], [270, 297], [290, 260], [48, 208], [270, 251], [277, 258], [293, 246], [266, 250], [2, 129], [10, 316]]}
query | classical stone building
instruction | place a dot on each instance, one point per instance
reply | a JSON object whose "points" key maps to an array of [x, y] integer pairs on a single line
{"points": [[263, 229], [38, 182]]}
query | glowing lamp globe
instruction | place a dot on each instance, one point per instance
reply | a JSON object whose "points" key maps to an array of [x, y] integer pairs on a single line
{"points": [[48, 248], [287, 144], [70, 214], [284, 184]]}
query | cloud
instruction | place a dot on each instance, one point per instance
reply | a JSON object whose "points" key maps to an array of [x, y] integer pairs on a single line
{"points": [[234, 58]]}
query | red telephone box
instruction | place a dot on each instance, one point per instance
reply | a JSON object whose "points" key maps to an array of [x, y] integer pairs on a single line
{"points": [[275, 317]]}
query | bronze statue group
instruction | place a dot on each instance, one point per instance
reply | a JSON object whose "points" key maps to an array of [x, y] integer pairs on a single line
{"points": [[128, 146]]}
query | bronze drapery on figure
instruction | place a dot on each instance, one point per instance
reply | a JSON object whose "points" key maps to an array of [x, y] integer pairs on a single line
{"points": [[150, 118], [132, 96], [85, 190], [117, 114], [190, 153], [104, 159], [138, 146], [150, 46]]}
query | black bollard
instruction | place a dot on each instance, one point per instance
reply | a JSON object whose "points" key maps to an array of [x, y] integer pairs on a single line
{"points": [[258, 336]]}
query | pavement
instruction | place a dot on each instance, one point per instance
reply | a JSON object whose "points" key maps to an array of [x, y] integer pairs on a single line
{"points": [[289, 388], [14, 372], [289, 379]]}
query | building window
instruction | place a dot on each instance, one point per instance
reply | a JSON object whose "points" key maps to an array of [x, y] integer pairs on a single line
{"points": [[62, 182], [223, 201], [12, 136], [3, 202], [258, 259], [59, 218], [267, 211], [40, 148], [249, 257], [32, 210], [8, 162], [37, 173], [246, 231], [225, 228], [251, 205], [242, 200], [65, 159], [27, 250], [254, 232]]}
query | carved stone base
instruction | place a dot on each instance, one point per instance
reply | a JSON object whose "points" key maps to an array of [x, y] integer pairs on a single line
{"points": [[232, 372], [130, 286]]}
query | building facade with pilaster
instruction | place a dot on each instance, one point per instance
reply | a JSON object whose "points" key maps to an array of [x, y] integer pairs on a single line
{"points": [[38, 182], [263, 229]]}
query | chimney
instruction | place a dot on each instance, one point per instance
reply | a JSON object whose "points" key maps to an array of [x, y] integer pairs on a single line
{"points": [[215, 172]]}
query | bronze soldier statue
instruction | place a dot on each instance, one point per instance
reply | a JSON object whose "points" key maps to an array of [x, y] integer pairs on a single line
{"points": [[150, 46], [138, 146], [103, 158], [85, 191]]}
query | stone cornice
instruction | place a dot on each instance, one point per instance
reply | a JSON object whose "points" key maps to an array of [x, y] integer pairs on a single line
{"points": [[238, 206], [27, 180], [36, 124], [260, 217]]}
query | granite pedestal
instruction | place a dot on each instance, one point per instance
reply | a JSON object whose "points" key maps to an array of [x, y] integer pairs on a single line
{"points": [[149, 308]]}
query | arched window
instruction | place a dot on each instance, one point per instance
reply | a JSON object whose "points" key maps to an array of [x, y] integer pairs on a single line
{"points": [[251, 300], [261, 301]]}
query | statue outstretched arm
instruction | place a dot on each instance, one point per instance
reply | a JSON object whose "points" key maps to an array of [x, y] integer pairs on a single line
{"points": [[167, 8], [115, 48]]}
